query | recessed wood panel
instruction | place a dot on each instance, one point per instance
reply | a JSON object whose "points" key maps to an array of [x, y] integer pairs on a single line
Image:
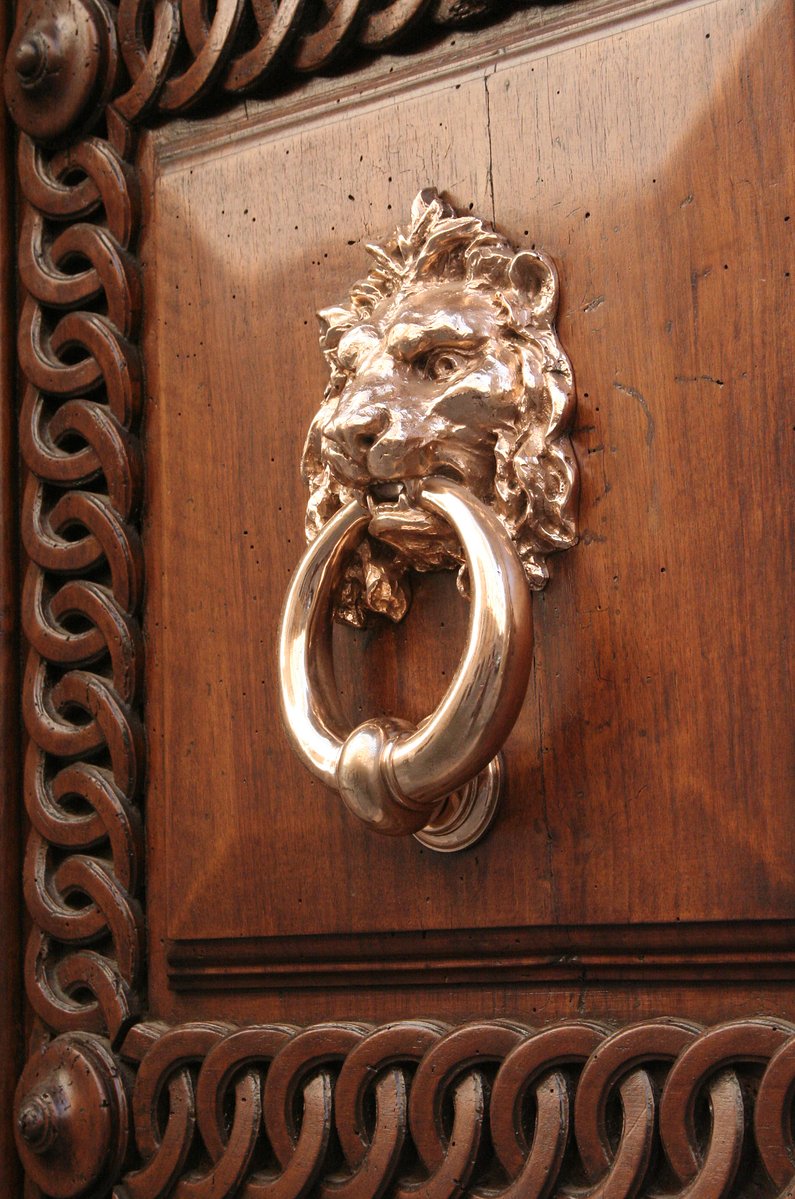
{"points": [[649, 773]]}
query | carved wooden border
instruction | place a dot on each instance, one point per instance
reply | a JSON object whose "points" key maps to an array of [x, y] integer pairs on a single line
{"points": [[10, 973], [108, 1100]]}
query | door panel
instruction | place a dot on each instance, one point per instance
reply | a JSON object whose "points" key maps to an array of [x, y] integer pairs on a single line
{"points": [[640, 162], [233, 987]]}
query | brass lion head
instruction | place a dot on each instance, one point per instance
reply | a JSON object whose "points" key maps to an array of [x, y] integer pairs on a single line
{"points": [[444, 361]]}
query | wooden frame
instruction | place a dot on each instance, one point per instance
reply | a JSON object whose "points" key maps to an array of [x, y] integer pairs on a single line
{"points": [[10, 975], [111, 1098]]}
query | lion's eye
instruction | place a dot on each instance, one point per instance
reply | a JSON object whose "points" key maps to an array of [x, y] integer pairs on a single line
{"points": [[439, 364]]}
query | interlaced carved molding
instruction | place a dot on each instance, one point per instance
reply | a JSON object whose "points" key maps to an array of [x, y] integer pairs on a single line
{"points": [[247, 42], [116, 1103], [78, 331], [414, 1109], [488, 1108], [83, 584]]}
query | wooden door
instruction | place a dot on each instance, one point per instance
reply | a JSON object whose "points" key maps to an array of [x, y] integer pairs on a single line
{"points": [[234, 986]]}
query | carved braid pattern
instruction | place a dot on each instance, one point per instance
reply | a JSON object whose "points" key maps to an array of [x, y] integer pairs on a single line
{"points": [[83, 584], [489, 1109], [248, 42]]}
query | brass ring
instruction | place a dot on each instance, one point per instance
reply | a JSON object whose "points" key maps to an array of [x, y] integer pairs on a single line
{"points": [[439, 781]]}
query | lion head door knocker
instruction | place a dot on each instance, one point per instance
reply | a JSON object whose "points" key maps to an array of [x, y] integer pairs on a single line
{"points": [[440, 444]]}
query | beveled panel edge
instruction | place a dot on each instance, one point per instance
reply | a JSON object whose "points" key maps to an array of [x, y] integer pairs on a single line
{"points": [[85, 973]]}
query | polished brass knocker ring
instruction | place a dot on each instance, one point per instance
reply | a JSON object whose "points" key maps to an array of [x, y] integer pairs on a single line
{"points": [[440, 444], [440, 781]]}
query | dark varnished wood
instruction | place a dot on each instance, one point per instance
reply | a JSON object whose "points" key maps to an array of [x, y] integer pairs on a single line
{"points": [[10, 974], [416, 1105]]}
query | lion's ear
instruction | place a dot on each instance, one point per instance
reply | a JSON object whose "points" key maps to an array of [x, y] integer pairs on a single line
{"points": [[535, 277], [333, 323], [332, 318]]}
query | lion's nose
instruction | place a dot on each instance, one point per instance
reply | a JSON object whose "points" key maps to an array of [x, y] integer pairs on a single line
{"points": [[356, 432]]}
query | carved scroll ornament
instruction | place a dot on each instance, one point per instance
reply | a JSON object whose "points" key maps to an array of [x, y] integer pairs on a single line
{"points": [[440, 444], [110, 1102]]}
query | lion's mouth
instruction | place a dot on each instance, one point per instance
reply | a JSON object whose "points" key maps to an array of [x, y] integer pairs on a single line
{"points": [[392, 492], [396, 516]]}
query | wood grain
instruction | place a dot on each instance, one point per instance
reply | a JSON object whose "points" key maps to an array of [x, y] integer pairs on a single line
{"points": [[650, 764], [701, 97], [10, 973]]}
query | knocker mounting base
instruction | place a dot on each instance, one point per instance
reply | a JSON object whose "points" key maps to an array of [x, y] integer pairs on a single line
{"points": [[463, 818]]}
